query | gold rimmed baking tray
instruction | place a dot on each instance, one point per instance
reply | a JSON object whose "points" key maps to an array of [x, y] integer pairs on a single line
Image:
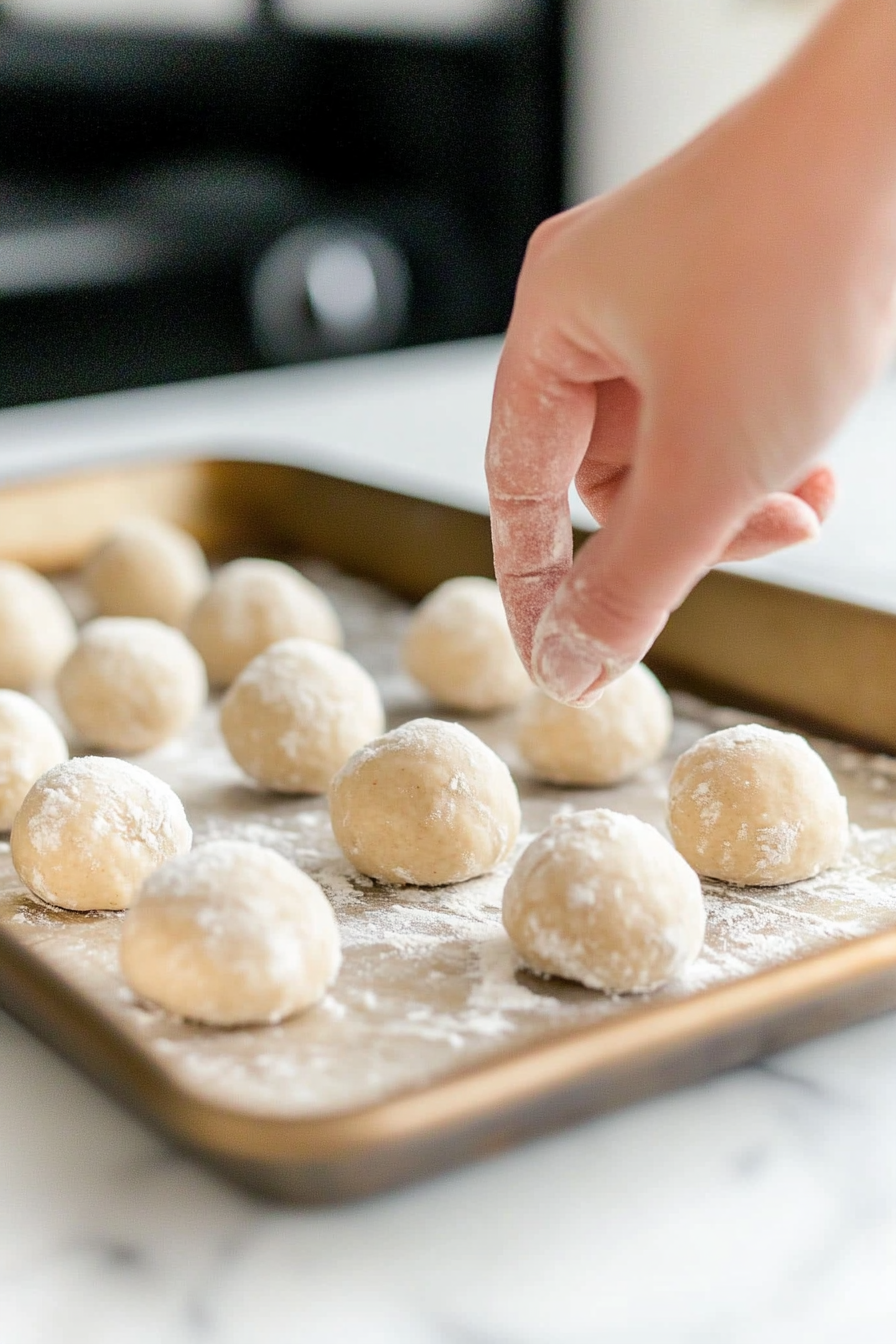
{"points": [[435, 1048]]}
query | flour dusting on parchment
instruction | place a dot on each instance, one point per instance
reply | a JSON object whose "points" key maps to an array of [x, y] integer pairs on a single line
{"points": [[430, 983]]}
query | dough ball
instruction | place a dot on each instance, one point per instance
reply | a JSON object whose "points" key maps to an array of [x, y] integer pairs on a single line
{"points": [[147, 568], [251, 605], [131, 683], [37, 630], [424, 805], [459, 647], [294, 716], [30, 743], [92, 829], [628, 728], [756, 807], [604, 899], [230, 935]]}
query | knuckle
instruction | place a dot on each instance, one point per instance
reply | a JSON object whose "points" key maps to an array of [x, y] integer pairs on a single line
{"points": [[542, 239]]}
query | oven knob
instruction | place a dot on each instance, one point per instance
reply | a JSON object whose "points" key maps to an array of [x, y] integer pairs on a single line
{"points": [[328, 289]]}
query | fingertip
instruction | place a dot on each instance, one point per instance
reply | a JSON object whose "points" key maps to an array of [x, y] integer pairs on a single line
{"points": [[780, 521], [569, 664], [819, 492]]}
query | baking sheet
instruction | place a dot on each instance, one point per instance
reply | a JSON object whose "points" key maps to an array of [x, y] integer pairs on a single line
{"points": [[430, 984]]}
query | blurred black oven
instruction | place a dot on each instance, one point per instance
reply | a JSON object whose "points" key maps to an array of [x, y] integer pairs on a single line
{"points": [[177, 205]]}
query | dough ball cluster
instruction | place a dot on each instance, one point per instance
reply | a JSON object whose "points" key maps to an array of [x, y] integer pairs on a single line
{"points": [[37, 630], [424, 805], [252, 604], [131, 683], [756, 807], [92, 829], [627, 729], [30, 743], [604, 899], [230, 935], [294, 716], [459, 647], [147, 567]]}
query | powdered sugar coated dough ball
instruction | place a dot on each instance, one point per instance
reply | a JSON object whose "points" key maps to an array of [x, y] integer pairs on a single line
{"points": [[756, 807], [30, 743], [628, 728], [229, 935], [425, 805], [91, 831], [147, 568], [131, 683], [37, 631], [459, 647], [252, 604], [604, 899], [294, 716]]}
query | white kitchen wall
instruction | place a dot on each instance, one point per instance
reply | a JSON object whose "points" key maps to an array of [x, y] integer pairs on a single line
{"points": [[645, 75]]}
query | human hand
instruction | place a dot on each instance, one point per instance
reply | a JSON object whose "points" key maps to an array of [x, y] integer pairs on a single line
{"points": [[684, 347]]}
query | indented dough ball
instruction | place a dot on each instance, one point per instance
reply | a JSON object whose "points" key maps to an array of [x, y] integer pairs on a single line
{"points": [[30, 743], [628, 728], [459, 647], [91, 831], [604, 899], [131, 683], [229, 935], [424, 805], [252, 604], [294, 716], [37, 630], [147, 567], [756, 807]]}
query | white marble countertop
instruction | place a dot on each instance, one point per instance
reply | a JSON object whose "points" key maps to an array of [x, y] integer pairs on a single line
{"points": [[759, 1207]]}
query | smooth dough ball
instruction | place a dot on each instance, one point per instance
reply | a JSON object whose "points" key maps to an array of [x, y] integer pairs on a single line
{"points": [[459, 647], [604, 899], [147, 568], [756, 807], [294, 716], [424, 805], [91, 831], [131, 684], [30, 743], [37, 630], [251, 605], [230, 935], [628, 728]]}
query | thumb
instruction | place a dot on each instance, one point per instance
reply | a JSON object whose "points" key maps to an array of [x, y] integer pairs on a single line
{"points": [[670, 522]]}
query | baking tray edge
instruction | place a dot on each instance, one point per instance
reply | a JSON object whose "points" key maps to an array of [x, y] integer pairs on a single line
{"points": [[478, 1111], [750, 642]]}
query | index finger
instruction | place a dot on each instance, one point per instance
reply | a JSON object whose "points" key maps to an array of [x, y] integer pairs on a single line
{"points": [[540, 429]]}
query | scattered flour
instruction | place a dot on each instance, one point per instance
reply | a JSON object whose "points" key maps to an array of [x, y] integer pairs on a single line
{"points": [[430, 983]]}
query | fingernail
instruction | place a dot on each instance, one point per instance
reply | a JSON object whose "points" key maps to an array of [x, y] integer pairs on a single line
{"points": [[569, 664], [566, 669]]}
